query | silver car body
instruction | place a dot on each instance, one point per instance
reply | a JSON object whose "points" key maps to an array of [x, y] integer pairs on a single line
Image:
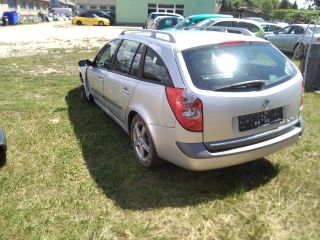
{"points": [[288, 38], [220, 144]]}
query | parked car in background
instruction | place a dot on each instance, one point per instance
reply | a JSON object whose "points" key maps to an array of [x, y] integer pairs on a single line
{"points": [[62, 11], [257, 19], [3, 147], [90, 19], [289, 38], [164, 22], [194, 19], [270, 28], [101, 14], [152, 16], [212, 101], [252, 26]]}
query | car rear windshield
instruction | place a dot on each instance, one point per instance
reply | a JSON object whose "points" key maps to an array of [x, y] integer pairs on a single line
{"points": [[214, 67]]}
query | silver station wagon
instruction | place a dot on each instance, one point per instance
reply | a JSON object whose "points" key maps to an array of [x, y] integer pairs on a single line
{"points": [[201, 100]]}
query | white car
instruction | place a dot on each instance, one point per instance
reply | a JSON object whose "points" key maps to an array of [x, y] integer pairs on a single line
{"points": [[199, 99], [152, 16]]}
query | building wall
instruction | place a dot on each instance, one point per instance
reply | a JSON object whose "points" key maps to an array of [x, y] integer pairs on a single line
{"points": [[3, 6], [136, 11], [25, 7], [95, 4]]}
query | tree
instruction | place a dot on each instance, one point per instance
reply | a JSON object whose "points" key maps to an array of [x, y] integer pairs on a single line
{"points": [[317, 3], [267, 6], [284, 4], [275, 4], [295, 5]]}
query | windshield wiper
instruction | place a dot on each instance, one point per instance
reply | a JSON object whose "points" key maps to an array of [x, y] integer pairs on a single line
{"points": [[247, 84]]}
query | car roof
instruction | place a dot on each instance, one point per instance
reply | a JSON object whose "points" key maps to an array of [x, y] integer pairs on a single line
{"points": [[195, 39], [196, 16], [304, 25], [237, 20], [161, 17]]}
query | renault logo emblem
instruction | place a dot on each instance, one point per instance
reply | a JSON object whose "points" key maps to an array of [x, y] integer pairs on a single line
{"points": [[265, 104]]}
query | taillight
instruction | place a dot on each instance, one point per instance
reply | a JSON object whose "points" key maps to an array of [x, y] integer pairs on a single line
{"points": [[318, 40], [186, 108], [302, 95], [235, 42]]}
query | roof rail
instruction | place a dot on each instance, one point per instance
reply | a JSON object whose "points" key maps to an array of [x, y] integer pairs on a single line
{"points": [[222, 29], [153, 34]]}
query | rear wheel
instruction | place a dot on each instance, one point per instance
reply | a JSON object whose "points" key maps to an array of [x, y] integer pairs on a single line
{"points": [[79, 23], [101, 23], [142, 144], [298, 50]]}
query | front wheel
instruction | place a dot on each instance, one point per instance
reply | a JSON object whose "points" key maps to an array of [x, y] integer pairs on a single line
{"points": [[142, 144], [101, 23], [79, 23]]}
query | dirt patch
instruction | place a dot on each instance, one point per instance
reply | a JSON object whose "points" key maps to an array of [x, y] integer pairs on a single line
{"points": [[37, 39]]}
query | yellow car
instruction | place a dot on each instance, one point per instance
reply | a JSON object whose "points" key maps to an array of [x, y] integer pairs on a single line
{"points": [[90, 19]]}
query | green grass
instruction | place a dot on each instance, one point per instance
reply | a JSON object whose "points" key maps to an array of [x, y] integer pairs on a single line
{"points": [[71, 173]]}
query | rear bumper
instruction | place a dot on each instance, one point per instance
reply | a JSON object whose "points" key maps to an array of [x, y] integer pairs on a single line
{"points": [[195, 156]]}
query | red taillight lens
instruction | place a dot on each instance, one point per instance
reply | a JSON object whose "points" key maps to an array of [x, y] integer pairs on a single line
{"points": [[236, 42], [302, 95], [186, 108]]}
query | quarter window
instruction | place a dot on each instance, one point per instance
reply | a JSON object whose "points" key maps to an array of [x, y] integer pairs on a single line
{"points": [[105, 56], [154, 68], [125, 56]]}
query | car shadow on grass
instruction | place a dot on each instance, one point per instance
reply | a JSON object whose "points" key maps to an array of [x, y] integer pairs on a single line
{"points": [[110, 160]]}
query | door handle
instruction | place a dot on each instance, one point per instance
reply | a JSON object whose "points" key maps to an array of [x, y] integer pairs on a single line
{"points": [[126, 91]]}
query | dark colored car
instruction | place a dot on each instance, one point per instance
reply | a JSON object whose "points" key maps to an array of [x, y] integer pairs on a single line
{"points": [[100, 14], [3, 147]]}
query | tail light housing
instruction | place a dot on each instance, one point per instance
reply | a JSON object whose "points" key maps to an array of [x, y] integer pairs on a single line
{"points": [[186, 108]]}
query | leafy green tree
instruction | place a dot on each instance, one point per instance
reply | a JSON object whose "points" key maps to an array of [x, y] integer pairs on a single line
{"points": [[285, 4], [317, 3], [267, 6], [275, 4], [295, 5]]}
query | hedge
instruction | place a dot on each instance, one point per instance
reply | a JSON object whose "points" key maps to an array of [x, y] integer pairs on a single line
{"points": [[296, 16]]}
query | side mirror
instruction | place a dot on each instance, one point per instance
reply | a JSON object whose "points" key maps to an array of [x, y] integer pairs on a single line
{"points": [[85, 62]]}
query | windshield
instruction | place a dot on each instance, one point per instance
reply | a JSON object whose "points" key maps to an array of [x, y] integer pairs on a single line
{"points": [[185, 23], [216, 66]]}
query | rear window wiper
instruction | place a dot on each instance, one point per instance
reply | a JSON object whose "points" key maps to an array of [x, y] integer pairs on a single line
{"points": [[246, 84]]}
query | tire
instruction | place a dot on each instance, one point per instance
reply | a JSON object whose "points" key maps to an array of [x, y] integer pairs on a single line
{"points": [[79, 23], [142, 144], [85, 93], [298, 53], [100, 23], [3, 156]]}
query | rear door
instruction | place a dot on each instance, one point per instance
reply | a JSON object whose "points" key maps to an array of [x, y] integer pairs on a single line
{"points": [[243, 110]]}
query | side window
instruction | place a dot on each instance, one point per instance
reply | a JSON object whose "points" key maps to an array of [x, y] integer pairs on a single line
{"points": [[297, 30], [223, 24], [136, 61], [125, 56], [154, 68], [285, 30], [252, 28], [105, 56]]}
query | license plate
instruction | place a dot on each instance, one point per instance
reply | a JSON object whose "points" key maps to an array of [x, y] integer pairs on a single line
{"points": [[254, 120]]}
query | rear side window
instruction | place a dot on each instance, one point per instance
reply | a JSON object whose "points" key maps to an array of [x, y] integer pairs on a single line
{"points": [[249, 26], [216, 66], [125, 56], [154, 68]]}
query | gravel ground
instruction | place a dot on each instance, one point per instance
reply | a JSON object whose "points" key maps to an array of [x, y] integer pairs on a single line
{"points": [[24, 40]]}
